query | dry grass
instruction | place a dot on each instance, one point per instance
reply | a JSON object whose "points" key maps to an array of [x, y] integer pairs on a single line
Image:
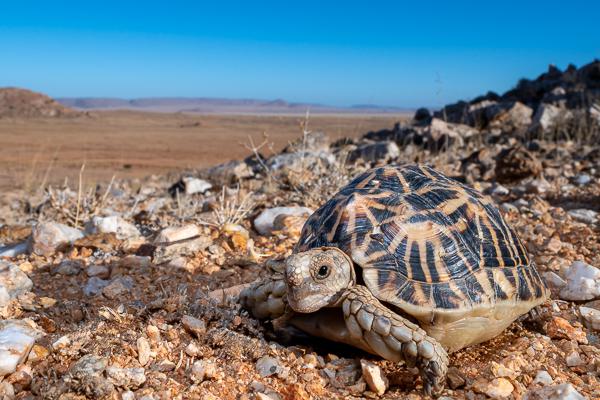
{"points": [[135, 144]]}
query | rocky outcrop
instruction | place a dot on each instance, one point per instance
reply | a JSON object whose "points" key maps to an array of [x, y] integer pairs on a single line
{"points": [[22, 103]]}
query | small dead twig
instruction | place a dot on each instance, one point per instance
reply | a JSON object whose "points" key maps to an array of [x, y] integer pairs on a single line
{"points": [[79, 195]]}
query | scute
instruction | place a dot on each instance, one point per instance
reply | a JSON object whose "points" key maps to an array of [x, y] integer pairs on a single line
{"points": [[426, 243]]}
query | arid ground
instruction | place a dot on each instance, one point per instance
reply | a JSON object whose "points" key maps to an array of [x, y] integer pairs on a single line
{"points": [[37, 151]]}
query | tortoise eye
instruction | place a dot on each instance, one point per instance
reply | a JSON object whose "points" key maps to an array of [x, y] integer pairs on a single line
{"points": [[323, 272]]}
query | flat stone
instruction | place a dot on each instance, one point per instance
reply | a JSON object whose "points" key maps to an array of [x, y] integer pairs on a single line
{"points": [[179, 241], [16, 340], [374, 377], [113, 224], [47, 237], [566, 391], [265, 222]]}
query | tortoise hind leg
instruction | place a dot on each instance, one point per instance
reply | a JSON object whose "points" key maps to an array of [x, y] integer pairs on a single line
{"points": [[395, 338]]}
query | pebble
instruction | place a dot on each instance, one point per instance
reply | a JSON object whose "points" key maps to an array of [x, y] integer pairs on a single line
{"points": [[267, 366], [591, 317], [194, 325], [553, 280], [584, 215], [94, 286], [499, 388], [192, 350], [13, 281], [573, 359], [143, 348], [117, 287], [113, 224], [61, 343], [153, 333], [179, 241], [69, 267], [128, 378], [193, 185], [560, 328], [566, 391], [543, 378], [203, 369], [374, 377], [128, 395], [16, 340], [582, 179], [455, 378], [265, 222], [47, 237], [583, 282], [88, 365], [165, 366], [101, 271]]}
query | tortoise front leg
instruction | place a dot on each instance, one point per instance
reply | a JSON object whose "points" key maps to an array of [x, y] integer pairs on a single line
{"points": [[266, 299], [395, 338]]}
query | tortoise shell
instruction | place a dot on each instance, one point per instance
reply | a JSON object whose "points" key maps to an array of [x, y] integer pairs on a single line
{"points": [[427, 244]]}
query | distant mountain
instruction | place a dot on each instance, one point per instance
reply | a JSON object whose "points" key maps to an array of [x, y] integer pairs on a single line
{"points": [[16, 102], [217, 105]]}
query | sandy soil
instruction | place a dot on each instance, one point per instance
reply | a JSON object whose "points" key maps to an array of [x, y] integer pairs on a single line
{"points": [[136, 144]]}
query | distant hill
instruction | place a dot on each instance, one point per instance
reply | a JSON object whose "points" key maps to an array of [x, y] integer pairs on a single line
{"points": [[218, 105], [15, 102]]}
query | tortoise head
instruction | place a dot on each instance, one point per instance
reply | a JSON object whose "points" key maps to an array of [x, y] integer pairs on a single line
{"points": [[317, 278]]}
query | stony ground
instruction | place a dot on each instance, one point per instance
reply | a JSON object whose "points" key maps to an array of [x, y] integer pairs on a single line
{"points": [[128, 290]]}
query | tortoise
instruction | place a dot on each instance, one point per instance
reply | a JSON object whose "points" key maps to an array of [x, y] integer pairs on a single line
{"points": [[407, 264]]}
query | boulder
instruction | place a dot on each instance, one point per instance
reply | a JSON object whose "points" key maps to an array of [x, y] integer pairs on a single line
{"points": [[511, 116], [549, 119]]}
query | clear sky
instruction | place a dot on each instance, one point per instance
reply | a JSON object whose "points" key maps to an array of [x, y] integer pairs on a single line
{"points": [[348, 52]]}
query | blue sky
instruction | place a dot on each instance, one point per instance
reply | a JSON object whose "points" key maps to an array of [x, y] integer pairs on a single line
{"points": [[380, 52]]}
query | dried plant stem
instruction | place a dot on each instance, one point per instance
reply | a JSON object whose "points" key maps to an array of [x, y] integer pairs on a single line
{"points": [[79, 195]]}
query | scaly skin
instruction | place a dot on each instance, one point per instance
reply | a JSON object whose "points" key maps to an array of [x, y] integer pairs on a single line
{"points": [[370, 324], [394, 337]]}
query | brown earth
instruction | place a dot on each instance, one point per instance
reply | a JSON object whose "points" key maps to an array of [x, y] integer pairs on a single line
{"points": [[36, 151]]}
